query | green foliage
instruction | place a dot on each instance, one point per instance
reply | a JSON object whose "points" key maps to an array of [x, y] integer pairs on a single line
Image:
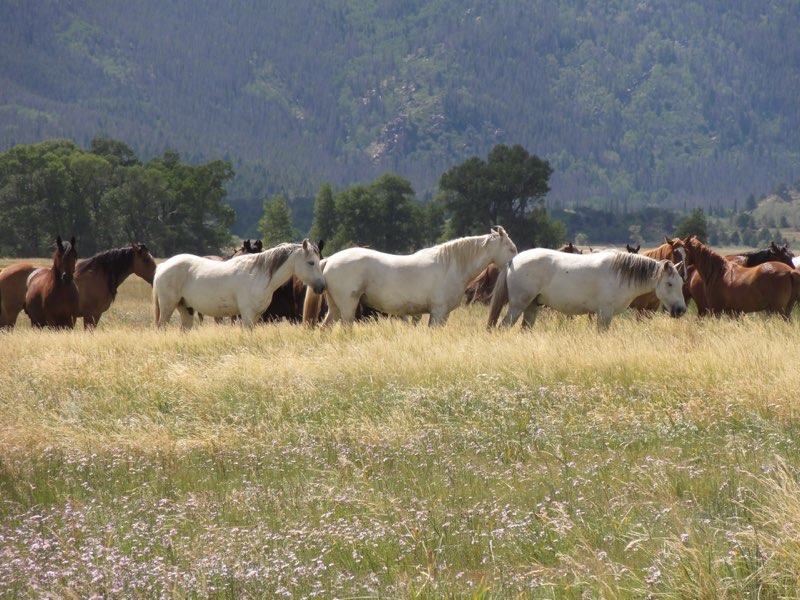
{"points": [[694, 224], [107, 198], [508, 189], [385, 215], [324, 224], [629, 99], [276, 225]]}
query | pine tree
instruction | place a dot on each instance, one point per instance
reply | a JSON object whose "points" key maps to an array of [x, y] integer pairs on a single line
{"points": [[325, 223], [276, 224]]}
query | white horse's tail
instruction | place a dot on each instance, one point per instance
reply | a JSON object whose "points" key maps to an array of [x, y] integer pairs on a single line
{"points": [[499, 297], [313, 302], [156, 307]]}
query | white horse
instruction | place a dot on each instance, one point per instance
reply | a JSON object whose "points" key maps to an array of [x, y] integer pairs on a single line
{"points": [[431, 280], [796, 262], [604, 283], [242, 285]]}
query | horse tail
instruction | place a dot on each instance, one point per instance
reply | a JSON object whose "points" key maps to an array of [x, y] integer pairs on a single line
{"points": [[499, 297], [312, 305], [156, 307], [795, 290]]}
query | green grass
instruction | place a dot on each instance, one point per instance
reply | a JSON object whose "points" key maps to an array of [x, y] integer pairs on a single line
{"points": [[657, 459]]}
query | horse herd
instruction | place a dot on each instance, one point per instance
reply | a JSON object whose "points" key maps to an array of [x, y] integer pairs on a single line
{"points": [[294, 282]]}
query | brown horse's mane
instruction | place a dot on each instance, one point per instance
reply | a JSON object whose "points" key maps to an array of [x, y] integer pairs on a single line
{"points": [[116, 263], [272, 259], [634, 268], [664, 251], [709, 264]]}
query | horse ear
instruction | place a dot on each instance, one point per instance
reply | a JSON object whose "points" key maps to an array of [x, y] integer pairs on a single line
{"points": [[59, 242], [666, 239], [305, 244], [681, 269], [499, 230], [320, 245], [72, 240]]}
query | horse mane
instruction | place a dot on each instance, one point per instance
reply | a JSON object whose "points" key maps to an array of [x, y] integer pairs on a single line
{"points": [[114, 263], [663, 252], [709, 263], [634, 268], [461, 250], [272, 259]]}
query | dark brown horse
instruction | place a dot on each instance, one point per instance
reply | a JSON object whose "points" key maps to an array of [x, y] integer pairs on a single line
{"points": [[99, 277], [51, 299], [773, 252], [570, 248], [480, 289], [672, 250], [719, 286]]}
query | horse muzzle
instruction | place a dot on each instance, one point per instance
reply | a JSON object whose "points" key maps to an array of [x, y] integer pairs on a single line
{"points": [[66, 277], [318, 287], [677, 311]]}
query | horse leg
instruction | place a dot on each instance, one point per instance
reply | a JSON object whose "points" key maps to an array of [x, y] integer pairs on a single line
{"points": [[438, 317], [187, 319], [604, 316], [334, 314], [529, 315], [90, 321]]}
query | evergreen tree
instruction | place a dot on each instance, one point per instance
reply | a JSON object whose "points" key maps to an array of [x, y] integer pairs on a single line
{"points": [[694, 224], [324, 225], [507, 189], [276, 224]]}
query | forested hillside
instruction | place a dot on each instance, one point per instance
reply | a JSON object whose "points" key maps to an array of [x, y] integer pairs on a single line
{"points": [[632, 102]]}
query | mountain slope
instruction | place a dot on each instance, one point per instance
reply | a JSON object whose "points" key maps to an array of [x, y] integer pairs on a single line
{"points": [[632, 102]]}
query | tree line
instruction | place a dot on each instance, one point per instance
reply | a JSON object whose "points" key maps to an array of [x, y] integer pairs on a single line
{"points": [[107, 197]]}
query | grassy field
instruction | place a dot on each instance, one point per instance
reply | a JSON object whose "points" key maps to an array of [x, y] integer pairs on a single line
{"points": [[390, 461]]}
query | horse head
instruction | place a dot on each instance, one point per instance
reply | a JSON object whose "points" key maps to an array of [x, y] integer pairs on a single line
{"points": [[669, 288], [633, 250], [503, 249], [144, 265], [64, 259], [306, 266], [781, 254], [570, 248]]}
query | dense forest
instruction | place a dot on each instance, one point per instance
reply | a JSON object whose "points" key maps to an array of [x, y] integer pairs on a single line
{"points": [[633, 103]]}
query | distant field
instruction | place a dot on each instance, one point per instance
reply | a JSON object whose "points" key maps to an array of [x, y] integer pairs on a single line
{"points": [[656, 460]]}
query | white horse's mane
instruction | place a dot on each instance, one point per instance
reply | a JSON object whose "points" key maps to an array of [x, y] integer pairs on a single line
{"points": [[272, 259], [462, 250], [634, 268]]}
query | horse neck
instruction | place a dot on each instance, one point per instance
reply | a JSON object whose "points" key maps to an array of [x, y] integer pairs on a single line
{"points": [[664, 251], [708, 263], [470, 257], [283, 273]]}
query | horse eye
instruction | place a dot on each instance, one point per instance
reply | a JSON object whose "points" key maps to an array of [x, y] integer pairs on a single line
{"points": [[310, 263]]}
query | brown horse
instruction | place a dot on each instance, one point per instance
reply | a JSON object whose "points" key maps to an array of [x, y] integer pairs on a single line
{"points": [[719, 286], [13, 285], [99, 277], [480, 289], [672, 250], [51, 299]]}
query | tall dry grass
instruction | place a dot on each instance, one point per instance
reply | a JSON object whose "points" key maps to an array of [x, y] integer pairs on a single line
{"points": [[657, 459]]}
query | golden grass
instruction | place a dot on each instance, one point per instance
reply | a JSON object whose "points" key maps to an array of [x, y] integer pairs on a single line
{"points": [[558, 462]]}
